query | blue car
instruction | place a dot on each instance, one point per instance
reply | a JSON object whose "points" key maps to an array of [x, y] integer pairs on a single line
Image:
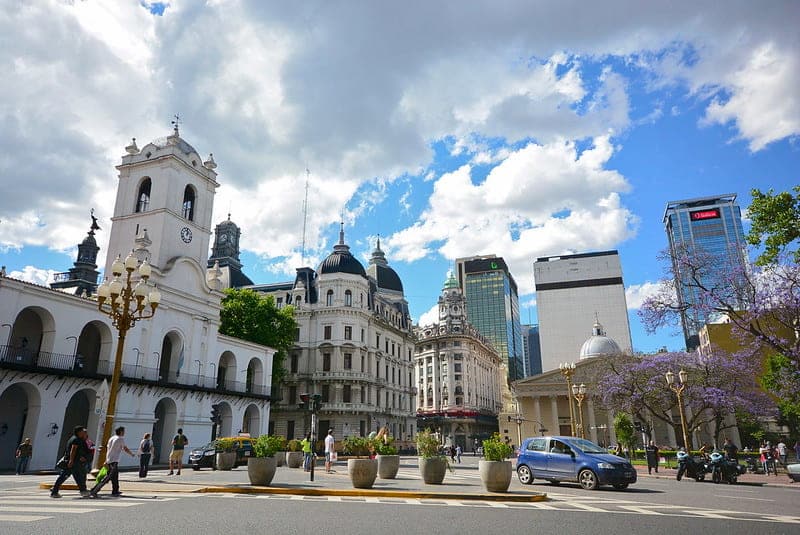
{"points": [[557, 459]]}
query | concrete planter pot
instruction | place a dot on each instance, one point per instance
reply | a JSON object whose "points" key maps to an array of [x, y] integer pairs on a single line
{"points": [[226, 460], [294, 459], [388, 465], [432, 469], [362, 472], [280, 457], [261, 470], [496, 475]]}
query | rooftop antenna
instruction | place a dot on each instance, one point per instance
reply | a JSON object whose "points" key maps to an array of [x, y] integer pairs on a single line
{"points": [[305, 220], [176, 122]]}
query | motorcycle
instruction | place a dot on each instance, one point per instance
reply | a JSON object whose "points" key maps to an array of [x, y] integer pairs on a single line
{"points": [[723, 469], [690, 466]]}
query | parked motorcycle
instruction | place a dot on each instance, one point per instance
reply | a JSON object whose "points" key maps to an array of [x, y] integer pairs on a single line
{"points": [[723, 469], [691, 467]]}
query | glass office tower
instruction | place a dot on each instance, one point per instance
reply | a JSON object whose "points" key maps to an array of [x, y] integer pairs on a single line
{"points": [[707, 226], [493, 307]]}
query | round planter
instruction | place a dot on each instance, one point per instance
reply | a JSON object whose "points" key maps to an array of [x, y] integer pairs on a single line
{"points": [[496, 475], [388, 465], [362, 472], [280, 457], [432, 469], [226, 460], [261, 470], [294, 459]]}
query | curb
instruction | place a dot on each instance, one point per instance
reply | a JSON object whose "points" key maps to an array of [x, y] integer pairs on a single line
{"points": [[502, 497]]}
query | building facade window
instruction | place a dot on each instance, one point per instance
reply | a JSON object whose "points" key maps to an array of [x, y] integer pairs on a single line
{"points": [[326, 394], [295, 363], [348, 361], [188, 203], [348, 332], [329, 298], [292, 394], [143, 197], [327, 332], [346, 394], [326, 362], [348, 298]]}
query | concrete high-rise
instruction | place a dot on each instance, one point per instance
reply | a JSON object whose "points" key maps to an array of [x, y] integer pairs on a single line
{"points": [[493, 306], [710, 226], [572, 292]]}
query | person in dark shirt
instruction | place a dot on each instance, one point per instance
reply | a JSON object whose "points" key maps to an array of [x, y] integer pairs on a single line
{"points": [[77, 456], [730, 449], [651, 451]]}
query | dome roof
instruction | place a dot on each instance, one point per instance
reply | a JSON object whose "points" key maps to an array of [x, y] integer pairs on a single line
{"points": [[599, 344], [385, 276], [341, 260]]}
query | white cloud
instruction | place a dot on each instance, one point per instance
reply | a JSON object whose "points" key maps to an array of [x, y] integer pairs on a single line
{"points": [[541, 200], [358, 92], [43, 277], [429, 317], [635, 294]]}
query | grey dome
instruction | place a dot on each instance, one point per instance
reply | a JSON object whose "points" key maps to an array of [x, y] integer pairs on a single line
{"points": [[599, 344], [165, 142], [386, 277]]}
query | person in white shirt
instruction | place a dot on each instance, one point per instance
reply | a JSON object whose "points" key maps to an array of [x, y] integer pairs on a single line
{"points": [[116, 445], [781, 447], [329, 449]]}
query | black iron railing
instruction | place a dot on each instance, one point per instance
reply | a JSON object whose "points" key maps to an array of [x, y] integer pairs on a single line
{"points": [[22, 358]]}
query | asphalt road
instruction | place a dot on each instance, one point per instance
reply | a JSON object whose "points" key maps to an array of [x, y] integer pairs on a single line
{"points": [[650, 506]]}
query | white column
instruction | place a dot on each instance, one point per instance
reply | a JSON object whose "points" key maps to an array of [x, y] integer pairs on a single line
{"points": [[537, 414], [592, 422], [554, 415]]}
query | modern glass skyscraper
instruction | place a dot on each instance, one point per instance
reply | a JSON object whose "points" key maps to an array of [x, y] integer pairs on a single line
{"points": [[708, 226], [493, 307], [533, 352]]}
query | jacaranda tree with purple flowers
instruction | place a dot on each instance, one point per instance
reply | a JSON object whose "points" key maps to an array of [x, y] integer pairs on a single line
{"points": [[719, 384]]}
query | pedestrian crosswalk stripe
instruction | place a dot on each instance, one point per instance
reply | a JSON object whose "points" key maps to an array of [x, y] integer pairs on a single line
{"points": [[43, 509], [20, 507], [22, 518]]}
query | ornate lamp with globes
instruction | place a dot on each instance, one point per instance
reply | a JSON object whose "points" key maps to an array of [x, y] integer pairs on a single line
{"points": [[125, 304]]}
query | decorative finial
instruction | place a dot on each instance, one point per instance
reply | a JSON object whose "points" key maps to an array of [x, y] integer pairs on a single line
{"points": [[341, 233], [229, 216], [210, 163], [132, 148], [94, 226], [378, 245], [175, 123]]}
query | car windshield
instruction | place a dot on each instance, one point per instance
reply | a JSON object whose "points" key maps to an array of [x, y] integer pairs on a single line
{"points": [[586, 447], [209, 446]]}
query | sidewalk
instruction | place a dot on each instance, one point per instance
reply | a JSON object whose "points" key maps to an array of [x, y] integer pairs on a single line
{"points": [[462, 484], [781, 480]]}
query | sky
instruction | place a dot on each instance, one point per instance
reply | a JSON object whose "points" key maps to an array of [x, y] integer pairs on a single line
{"points": [[449, 129]]}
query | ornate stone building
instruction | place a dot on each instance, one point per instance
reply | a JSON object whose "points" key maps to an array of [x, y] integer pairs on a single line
{"points": [[459, 374], [354, 347], [57, 349]]}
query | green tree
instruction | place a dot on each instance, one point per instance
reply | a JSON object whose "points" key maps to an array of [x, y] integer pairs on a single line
{"points": [[780, 375], [775, 222], [251, 316], [623, 427]]}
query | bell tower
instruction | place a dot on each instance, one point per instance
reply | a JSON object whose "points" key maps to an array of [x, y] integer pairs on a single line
{"points": [[452, 303], [166, 192]]}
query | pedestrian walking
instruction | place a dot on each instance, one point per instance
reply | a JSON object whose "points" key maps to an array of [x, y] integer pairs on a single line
{"points": [[459, 452], [651, 452], [75, 457], [90, 450], [330, 452], [179, 442], [730, 449], [145, 452], [114, 448], [23, 455], [307, 452], [452, 452], [797, 450]]}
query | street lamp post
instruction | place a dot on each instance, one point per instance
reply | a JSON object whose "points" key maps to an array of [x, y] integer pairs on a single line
{"points": [[567, 370], [125, 305], [580, 394], [678, 388]]}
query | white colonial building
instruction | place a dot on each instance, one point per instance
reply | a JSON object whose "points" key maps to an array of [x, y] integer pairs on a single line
{"points": [[354, 347], [57, 352], [459, 374]]}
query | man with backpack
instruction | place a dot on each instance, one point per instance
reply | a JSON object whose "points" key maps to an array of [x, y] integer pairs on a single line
{"points": [[145, 451], [176, 455]]}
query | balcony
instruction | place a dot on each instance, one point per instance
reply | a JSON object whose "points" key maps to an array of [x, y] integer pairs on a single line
{"points": [[21, 359]]}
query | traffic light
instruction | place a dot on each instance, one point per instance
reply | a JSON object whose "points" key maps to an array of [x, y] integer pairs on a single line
{"points": [[304, 398], [216, 417]]}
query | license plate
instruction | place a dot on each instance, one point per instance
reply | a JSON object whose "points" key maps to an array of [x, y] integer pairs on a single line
{"points": [[247, 454]]}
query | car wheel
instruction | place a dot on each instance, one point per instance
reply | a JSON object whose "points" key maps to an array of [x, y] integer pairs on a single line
{"points": [[587, 479], [620, 486], [195, 467], [525, 475]]}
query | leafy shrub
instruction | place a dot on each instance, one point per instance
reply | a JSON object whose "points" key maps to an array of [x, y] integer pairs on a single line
{"points": [[496, 449], [294, 445], [385, 446], [225, 445], [267, 445], [428, 444], [358, 446]]}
